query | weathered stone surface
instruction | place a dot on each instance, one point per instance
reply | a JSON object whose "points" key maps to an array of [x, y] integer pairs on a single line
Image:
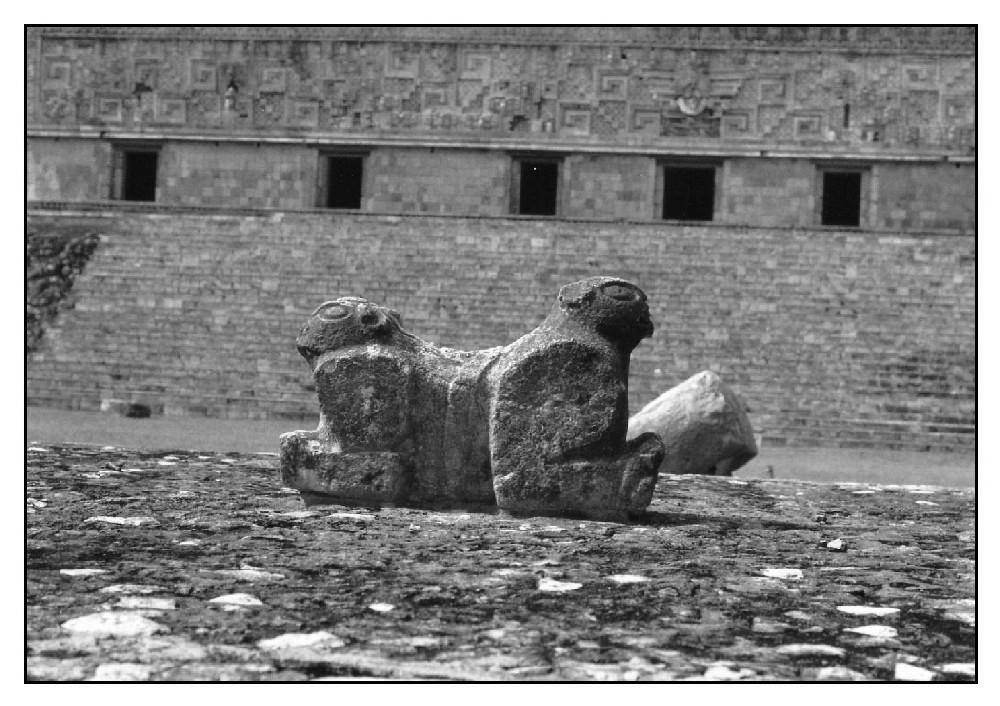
{"points": [[536, 427], [400, 419], [559, 409], [703, 425], [466, 586], [113, 623], [121, 671]]}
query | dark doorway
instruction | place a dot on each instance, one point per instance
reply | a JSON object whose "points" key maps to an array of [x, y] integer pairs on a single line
{"points": [[841, 199], [343, 185], [139, 178], [539, 188], [688, 193]]}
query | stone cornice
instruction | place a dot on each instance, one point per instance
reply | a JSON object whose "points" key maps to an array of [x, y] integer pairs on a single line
{"points": [[113, 209], [949, 39], [664, 147]]}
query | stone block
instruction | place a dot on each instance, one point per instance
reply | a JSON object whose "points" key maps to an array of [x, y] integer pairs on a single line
{"points": [[331, 476], [703, 425]]}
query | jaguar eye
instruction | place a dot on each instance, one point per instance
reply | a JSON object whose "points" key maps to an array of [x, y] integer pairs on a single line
{"points": [[618, 292], [332, 312]]}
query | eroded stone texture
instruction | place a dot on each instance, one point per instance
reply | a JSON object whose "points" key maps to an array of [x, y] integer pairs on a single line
{"points": [[703, 425], [536, 427]]}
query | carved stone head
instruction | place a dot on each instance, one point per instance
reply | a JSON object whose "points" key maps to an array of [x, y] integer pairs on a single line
{"points": [[348, 321], [613, 307]]}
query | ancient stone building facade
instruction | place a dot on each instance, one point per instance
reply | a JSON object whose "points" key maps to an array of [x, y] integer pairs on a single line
{"points": [[798, 202]]}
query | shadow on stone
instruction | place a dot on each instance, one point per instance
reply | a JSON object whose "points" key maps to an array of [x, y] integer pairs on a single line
{"points": [[666, 519]]}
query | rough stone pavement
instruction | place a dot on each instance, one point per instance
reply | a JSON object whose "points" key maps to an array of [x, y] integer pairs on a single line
{"points": [[197, 566]]}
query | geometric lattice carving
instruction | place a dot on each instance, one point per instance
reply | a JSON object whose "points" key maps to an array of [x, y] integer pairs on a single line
{"points": [[226, 78], [609, 118], [679, 125]]}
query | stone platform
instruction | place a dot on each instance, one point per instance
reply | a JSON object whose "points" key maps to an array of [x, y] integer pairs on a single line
{"points": [[197, 566]]}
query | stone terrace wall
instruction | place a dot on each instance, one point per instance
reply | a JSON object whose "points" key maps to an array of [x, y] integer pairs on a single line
{"points": [[834, 338]]}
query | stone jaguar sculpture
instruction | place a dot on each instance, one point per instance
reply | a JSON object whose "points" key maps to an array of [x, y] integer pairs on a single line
{"points": [[559, 408], [535, 427], [400, 418]]}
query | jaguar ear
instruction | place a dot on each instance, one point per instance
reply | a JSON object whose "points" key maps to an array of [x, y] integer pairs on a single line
{"points": [[576, 294], [395, 316]]}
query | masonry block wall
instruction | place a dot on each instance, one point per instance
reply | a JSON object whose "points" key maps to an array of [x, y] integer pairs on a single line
{"points": [[776, 192], [70, 170], [757, 191], [440, 181], [926, 197], [843, 338], [616, 186], [241, 176], [242, 114]]}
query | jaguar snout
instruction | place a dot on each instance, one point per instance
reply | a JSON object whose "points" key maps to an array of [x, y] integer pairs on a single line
{"points": [[646, 325]]}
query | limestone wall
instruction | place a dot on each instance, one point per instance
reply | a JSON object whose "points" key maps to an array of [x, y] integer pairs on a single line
{"points": [[754, 191], [833, 337], [421, 180], [243, 115]]}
